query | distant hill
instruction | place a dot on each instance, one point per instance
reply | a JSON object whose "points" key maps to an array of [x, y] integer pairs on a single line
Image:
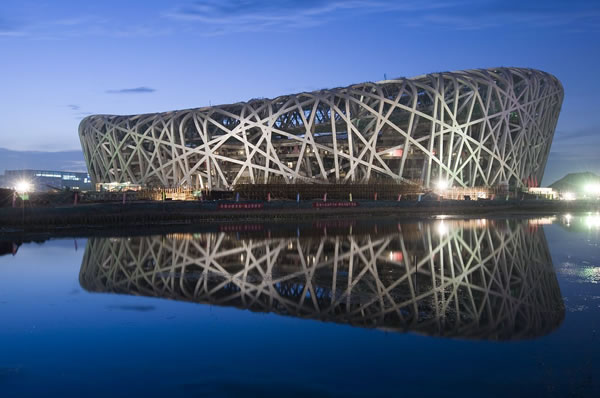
{"points": [[61, 161], [575, 182]]}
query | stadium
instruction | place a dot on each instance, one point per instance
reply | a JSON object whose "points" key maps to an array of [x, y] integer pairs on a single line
{"points": [[464, 129]]}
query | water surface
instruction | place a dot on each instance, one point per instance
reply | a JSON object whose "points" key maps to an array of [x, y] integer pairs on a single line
{"points": [[477, 307]]}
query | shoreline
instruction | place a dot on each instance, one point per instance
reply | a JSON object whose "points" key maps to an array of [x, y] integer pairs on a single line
{"points": [[91, 219]]}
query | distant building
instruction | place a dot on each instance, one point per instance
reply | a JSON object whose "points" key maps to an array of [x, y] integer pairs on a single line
{"points": [[543, 192], [47, 180]]}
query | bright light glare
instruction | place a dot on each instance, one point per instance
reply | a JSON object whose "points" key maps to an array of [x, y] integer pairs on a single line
{"points": [[23, 186], [593, 188], [442, 185], [593, 221], [442, 229], [569, 196]]}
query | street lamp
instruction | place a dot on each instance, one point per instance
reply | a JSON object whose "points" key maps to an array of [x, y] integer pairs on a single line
{"points": [[442, 185], [23, 187], [593, 189]]}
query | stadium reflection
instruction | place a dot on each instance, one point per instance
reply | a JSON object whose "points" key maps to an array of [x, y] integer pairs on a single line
{"points": [[476, 279]]}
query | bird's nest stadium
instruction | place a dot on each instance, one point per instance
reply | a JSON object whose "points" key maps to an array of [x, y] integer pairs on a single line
{"points": [[474, 128]]}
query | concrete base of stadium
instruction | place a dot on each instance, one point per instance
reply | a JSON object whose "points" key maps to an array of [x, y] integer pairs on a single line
{"points": [[112, 215]]}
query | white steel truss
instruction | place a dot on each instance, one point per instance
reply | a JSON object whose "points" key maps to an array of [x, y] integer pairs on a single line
{"points": [[469, 128], [441, 278]]}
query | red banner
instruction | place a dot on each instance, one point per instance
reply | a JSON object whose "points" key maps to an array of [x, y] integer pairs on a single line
{"points": [[240, 206], [334, 204], [240, 227]]}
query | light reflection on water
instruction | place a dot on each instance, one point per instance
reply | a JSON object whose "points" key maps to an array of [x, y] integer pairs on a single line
{"points": [[507, 307], [466, 279]]}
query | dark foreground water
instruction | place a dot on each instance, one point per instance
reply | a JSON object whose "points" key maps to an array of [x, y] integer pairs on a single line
{"points": [[469, 308]]}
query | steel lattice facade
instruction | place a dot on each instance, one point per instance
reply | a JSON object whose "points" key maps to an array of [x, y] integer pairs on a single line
{"points": [[449, 278], [476, 128]]}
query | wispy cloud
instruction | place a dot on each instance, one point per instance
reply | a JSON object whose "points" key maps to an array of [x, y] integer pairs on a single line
{"points": [[483, 18], [227, 16], [231, 16], [593, 131], [218, 17], [78, 113], [135, 90], [10, 29], [11, 33], [73, 26], [576, 145]]}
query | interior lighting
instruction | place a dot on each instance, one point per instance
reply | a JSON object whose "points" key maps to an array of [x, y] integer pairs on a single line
{"points": [[442, 185]]}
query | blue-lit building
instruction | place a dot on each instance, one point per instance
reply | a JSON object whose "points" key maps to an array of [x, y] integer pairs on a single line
{"points": [[47, 180]]}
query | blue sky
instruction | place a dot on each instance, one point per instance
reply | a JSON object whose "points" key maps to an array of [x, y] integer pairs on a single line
{"points": [[63, 60]]}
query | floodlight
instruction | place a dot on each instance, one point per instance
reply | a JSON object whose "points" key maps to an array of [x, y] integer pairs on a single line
{"points": [[23, 186], [592, 188], [442, 185]]}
